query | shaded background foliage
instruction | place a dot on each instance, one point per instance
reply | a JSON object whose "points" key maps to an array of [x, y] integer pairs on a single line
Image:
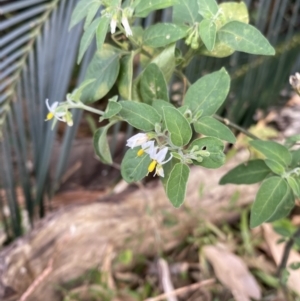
{"points": [[38, 61]]}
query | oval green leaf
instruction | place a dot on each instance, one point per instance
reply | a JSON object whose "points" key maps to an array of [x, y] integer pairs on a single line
{"points": [[125, 76], [272, 192], [208, 8], [178, 126], [139, 115], [246, 38], [207, 32], [101, 145], [186, 12], [251, 172], [134, 168], [153, 84], [295, 185], [208, 93], [104, 68], [209, 126], [176, 185], [112, 109], [145, 7], [87, 38], [162, 34], [273, 151]]}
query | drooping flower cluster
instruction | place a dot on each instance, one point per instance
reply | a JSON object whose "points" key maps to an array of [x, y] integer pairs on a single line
{"points": [[156, 153], [116, 14]]}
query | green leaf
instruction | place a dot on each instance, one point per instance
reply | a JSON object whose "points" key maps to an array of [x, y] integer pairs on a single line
{"points": [[294, 265], [276, 167], [208, 8], [220, 49], [165, 61], [153, 84], [158, 105], [87, 38], [208, 93], [104, 67], [134, 168], [209, 126], [76, 94], [272, 192], [139, 115], [80, 11], [147, 6], [102, 31], [186, 12], [162, 34], [101, 145], [208, 31], [251, 172], [295, 185], [233, 11], [93, 9], [176, 185], [215, 147], [295, 158], [177, 125], [273, 151], [112, 109], [284, 207], [246, 38], [125, 76]]}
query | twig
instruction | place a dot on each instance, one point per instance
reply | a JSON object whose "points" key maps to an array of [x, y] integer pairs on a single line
{"points": [[165, 278], [286, 253], [38, 280], [184, 289], [235, 126]]}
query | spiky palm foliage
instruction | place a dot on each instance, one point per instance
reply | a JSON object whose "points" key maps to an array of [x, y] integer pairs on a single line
{"points": [[38, 56], [37, 61]]}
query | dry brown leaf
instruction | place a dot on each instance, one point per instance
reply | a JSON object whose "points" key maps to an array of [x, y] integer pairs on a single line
{"points": [[276, 249], [233, 273]]}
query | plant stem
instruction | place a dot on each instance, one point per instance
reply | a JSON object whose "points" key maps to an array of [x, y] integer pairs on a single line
{"points": [[87, 108], [286, 253], [235, 126]]}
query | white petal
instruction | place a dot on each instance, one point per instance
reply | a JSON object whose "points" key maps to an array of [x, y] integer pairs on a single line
{"points": [[126, 26], [136, 140], [160, 156], [113, 25], [148, 147], [159, 170]]}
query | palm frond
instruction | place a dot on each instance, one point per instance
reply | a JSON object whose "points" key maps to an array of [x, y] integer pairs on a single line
{"points": [[37, 61]]}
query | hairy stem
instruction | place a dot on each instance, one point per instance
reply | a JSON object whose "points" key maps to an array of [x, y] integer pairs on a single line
{"points": [[235, 126]]}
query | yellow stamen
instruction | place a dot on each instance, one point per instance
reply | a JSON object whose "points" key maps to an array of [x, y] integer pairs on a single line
{"points": [[152, 166], [50, 115], [140, 152]]}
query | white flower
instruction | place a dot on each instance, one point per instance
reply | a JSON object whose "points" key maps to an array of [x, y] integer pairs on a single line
{"points": [[53, 113], [60, 114], [113, 25], [158, 160], [126, 26], [137, 140]]}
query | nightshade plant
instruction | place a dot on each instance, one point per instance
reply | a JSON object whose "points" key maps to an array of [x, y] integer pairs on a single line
{"points": [[171, 136]]}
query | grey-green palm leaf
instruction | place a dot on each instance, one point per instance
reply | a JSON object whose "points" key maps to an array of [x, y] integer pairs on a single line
{"points": [[38, 55]]}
